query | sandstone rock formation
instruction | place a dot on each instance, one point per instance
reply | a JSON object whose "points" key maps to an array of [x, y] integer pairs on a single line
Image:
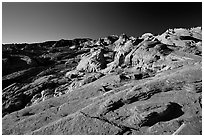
{"points": [[117, 85], [92, 62]]}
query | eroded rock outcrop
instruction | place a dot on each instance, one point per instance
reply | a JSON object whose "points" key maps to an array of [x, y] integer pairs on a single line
{"points": [[117, 85], [92, 62]]}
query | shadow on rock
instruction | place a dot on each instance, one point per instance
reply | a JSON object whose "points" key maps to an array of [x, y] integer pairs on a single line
{"points": [[172, 111]]}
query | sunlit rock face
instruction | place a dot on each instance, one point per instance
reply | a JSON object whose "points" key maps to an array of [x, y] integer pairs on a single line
{"points": [[116, 85]]}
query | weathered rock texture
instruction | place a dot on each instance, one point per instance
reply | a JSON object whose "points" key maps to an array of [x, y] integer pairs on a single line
{"points": [[117, 85]]}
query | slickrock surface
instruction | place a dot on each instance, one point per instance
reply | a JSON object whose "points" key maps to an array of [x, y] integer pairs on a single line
{"points": [[117, 85]]}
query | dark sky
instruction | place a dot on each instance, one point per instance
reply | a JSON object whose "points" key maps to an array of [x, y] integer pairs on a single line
{"points": [[38, 22]]}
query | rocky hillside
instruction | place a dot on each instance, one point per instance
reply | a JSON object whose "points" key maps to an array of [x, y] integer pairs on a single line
{"points": [[114, 85]]}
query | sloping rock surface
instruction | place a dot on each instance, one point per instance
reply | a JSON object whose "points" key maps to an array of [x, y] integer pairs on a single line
{"points": [[117, 85]]}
